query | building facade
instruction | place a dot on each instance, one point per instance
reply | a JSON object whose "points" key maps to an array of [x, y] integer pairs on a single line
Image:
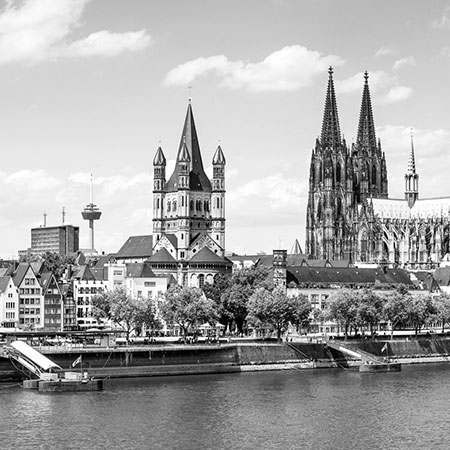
{"points": [[62, 239], [349, 215], [189, 213], [9, 303]]}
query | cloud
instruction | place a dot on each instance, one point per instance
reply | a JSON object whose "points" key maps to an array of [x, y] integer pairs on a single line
{"points": [[397, 94], [404, 62], [430, 145], [28, 181], [292, 67], [37, 30], [386, 51], [386, 86], [443, 22]]}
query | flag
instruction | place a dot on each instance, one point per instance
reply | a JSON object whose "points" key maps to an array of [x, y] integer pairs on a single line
{"points": [[382, 350], [77, 361]]}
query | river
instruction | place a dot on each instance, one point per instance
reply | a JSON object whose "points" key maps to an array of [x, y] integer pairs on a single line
{"points": [[309, 409]]}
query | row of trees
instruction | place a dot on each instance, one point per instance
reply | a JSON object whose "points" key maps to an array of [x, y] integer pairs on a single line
{"points": [[238, 301], [364, 309]]}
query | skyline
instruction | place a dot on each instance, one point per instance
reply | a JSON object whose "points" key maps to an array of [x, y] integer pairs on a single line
{"points": [[97, 86]]}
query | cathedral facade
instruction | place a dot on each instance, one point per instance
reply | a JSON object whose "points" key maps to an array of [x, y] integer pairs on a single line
{"points": [[349, 214], [189, 213]]}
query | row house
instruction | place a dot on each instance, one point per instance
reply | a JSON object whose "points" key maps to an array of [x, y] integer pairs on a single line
{"points": [[53, 302], [9, 303]]}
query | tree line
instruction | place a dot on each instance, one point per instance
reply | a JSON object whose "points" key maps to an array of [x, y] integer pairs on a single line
{"points": [[248, 300]]}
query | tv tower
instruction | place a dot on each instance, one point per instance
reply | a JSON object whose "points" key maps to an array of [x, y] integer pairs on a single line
{"points": [[91, 212]]}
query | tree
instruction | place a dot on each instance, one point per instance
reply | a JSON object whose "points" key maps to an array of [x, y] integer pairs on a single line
{"points": [[131, 314], [188, 307], [370, 309], [56, 264], [420, 309], [214, 291], [242, 285], [396, 308], [273, 308], [442, 312], [343, 307]]}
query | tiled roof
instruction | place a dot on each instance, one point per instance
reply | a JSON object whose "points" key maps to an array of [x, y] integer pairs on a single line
{"points": [[348, 276], [104, 259], [20, 273], [84, 273], [4, 281], [136, 247], [172, 239], [45, 279], [139, 270], [100, 273], [162, 256], [205, 255], [442, 276], [3, 271]]}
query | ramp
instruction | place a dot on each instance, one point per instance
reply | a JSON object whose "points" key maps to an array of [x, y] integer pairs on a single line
{"points": [[30, 358], [360, 354]]}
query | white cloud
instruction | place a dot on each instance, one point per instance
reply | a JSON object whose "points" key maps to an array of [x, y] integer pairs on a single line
{"points": [[397, 94], [105, 43], [36, 30], [404, 62], [386, 86], [443, 22], [291, 68], [386, 51], [28, 180]]}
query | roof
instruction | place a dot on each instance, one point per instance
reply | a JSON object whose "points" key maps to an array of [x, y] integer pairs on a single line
{"points": [[45, 279], [206, 255], [139, 270], [3, 271], [84, 273], [198, 180], [104, 259], [442, 276], [99, 273], [20, 272], [4, 281], [162, 256], [302, 260], [136, 247], [172, 239], [347, 276]]}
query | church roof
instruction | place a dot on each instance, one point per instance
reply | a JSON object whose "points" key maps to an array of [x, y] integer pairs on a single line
{"points": [[348, 276], [219, 158], [206, 255], [331, 133], [136, 247], [366, 138], [162, 256], [159, 159], [198, 180], [399, 209]]}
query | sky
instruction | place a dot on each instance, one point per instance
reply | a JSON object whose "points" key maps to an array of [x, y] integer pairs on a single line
{"points": [[95, 86]]}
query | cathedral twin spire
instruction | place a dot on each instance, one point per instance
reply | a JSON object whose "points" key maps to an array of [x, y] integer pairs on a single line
{"points": [[331, 133]]}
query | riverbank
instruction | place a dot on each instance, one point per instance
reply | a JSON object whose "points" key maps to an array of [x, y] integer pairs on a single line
{"points": [[165, 360]]}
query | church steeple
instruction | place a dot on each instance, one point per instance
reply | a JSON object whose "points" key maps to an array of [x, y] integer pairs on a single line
{"points": [[331, 133], [411, 178], [366, 140], [198, 180]]}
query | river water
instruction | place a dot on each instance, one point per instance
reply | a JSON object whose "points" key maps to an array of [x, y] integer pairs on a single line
{"points": [[310, 409]]}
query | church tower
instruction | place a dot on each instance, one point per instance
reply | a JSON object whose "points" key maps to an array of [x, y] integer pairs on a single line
{"points": [[411, 179], [330, 187], [369, 162], [189, 213]]}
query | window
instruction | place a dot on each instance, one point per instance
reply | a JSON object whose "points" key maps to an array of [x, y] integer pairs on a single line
{"points": [[201, 280], [139, 294], [118, 272], [149, 283]]}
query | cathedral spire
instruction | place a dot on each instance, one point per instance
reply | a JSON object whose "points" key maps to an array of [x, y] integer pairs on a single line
{"points": [[411, 178], [366, 138], [412, 161], [331, 134]]}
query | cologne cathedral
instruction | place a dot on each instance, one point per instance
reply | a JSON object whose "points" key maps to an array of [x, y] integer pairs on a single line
{"points": [[349, 214]]}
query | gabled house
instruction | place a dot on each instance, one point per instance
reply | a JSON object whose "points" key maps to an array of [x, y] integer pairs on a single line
{"points": [[9, 303], [53, 302]]}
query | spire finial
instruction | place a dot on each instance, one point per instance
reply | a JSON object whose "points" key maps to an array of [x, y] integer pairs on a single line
{"points": [[366, 77], [330, 71], [412, 159]]}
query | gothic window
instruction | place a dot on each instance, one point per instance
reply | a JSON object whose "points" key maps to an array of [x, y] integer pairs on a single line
{"points": [[374, 174], [191, 205], [218, 203], [174, 205], [168, 206], [338, 172], [339, 207], [206, 206], [157, 203], [201, 280], [182, 201]]}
